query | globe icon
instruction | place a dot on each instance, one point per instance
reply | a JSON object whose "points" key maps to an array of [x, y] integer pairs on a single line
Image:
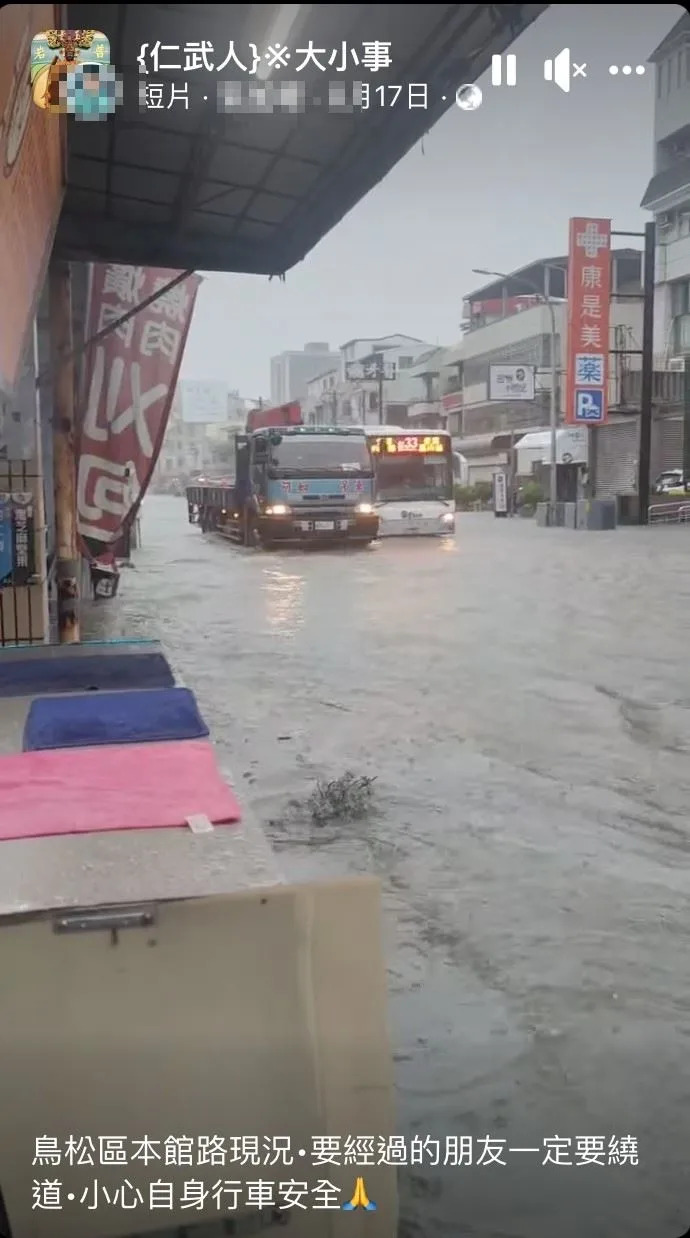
{"points": [[468, 97]]}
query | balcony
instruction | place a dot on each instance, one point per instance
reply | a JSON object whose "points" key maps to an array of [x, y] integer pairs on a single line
{"points": [[668, 389]]}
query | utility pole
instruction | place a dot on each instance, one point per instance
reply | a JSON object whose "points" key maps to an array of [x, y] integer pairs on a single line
{"points": [[553, 413], [647, 377], [68, 559], [380, 365]]}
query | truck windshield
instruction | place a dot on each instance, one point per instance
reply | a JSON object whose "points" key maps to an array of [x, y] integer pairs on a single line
{"points": [[325, 456], [402, 478]]}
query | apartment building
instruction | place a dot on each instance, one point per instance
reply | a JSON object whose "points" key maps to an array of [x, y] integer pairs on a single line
{"points": [[382, 369], [667, 195], [438, 389], [348, 392], [292, 371], [506, 326], [187, 447]]}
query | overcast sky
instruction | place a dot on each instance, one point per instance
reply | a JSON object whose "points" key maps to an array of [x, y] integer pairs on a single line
{"points": [[490, 188]]}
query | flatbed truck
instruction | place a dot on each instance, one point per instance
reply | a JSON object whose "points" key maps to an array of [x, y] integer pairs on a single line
{"points": [[292, 485]]}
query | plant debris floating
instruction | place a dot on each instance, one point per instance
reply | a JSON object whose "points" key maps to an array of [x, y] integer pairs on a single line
{"points": [[347, 798]]}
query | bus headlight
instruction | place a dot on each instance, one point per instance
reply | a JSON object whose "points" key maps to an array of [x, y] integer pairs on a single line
{"points": [[278, 509], [364, 509], [447, 518]]}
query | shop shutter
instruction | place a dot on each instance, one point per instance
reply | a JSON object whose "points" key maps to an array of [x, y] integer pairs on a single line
{"points": [[616, 448]]}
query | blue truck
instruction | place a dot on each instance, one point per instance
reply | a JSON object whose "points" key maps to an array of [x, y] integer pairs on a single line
{"points": [[292, 485]]}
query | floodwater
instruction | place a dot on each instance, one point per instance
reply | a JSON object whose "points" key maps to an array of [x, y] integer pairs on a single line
{"points": [[522, 697]]}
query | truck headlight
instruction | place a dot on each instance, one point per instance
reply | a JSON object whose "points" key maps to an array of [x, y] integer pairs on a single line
{"points": [[447, 518], [278, 509], [364, 509]]}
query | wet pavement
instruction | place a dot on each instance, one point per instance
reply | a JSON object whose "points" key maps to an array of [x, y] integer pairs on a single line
{"points": [[522, 697]]}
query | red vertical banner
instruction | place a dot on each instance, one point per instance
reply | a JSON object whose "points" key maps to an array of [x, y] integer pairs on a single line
{"points": [[589, 315], [130, 378]]}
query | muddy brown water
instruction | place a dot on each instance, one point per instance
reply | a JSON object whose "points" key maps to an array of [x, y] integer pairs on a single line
{"points": [[522, 697]]}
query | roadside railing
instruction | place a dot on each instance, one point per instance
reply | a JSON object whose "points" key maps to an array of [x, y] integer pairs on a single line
{"points": [[669, 513]]}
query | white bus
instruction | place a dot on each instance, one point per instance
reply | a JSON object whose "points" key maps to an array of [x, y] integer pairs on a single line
{"points": [[413, 481]]}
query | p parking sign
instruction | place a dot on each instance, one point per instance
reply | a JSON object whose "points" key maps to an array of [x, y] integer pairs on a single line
{"points": [[589, 407]]}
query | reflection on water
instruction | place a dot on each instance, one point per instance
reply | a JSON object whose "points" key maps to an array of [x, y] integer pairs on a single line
{"points": [[284, 599], [448, 545]]}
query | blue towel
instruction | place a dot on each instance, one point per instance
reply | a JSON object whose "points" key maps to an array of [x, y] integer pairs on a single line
{"points": [[113, 718], [35, 676]]}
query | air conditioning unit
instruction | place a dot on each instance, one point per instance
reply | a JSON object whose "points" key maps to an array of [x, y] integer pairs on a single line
{"points": [[677, 364]]}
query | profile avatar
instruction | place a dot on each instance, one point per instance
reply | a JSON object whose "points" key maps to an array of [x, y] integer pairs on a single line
{"points": [[56, 55], [92, 92]]}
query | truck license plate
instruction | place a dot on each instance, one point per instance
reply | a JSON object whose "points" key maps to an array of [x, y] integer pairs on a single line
{"points": [[323, 526]]}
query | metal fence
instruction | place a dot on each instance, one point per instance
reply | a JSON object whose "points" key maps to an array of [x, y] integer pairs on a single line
{"points": [[669, 513], [23, 585]]}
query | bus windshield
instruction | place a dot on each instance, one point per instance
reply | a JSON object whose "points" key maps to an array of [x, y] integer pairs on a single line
{"points": [[323, 456], [402, 478]]}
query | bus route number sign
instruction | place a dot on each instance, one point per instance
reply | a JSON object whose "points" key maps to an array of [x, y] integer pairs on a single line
{"points": [[409, 444]]}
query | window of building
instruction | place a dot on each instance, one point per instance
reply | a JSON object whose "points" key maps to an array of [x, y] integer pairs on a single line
{"points": [[679, 68], [681, 333], [680, 297], [373, 400], [404, 363], [455, 423]]}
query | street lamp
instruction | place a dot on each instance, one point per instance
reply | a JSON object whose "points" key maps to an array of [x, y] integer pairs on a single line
{"points": [[553, 406]]}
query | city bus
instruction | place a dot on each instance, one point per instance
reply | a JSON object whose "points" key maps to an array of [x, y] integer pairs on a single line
{"points": [[413, 477]]}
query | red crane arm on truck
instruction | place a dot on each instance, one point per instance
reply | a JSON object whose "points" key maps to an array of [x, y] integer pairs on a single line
{"points": [[268, 418]]}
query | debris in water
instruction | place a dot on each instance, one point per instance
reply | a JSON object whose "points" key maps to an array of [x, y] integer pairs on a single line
{"points": [[347, 798]]}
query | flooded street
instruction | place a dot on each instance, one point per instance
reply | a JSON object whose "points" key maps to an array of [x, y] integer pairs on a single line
{"points": [[522, 698]]}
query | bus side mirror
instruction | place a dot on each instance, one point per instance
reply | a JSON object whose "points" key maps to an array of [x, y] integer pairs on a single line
{"points": [[260, 447]]}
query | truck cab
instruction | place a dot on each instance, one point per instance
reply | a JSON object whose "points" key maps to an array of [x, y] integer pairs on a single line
{"points": [[299, 484]]}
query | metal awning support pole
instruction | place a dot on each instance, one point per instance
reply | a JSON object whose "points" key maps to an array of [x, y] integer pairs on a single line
{"points": [[67, 565]]}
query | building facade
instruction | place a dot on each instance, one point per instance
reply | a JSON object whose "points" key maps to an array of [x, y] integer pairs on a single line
{"points": [[187, 447], [324, 399], [504, 328], [395, 357], [347, 394], [292, 371], [667, 195], [435, 375]]}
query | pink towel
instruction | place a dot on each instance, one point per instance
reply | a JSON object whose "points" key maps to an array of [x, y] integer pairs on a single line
{"points": [[127, 787]]}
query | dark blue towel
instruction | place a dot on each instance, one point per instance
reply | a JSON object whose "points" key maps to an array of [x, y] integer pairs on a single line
{"points": [[103, 672], [113, 718]]}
